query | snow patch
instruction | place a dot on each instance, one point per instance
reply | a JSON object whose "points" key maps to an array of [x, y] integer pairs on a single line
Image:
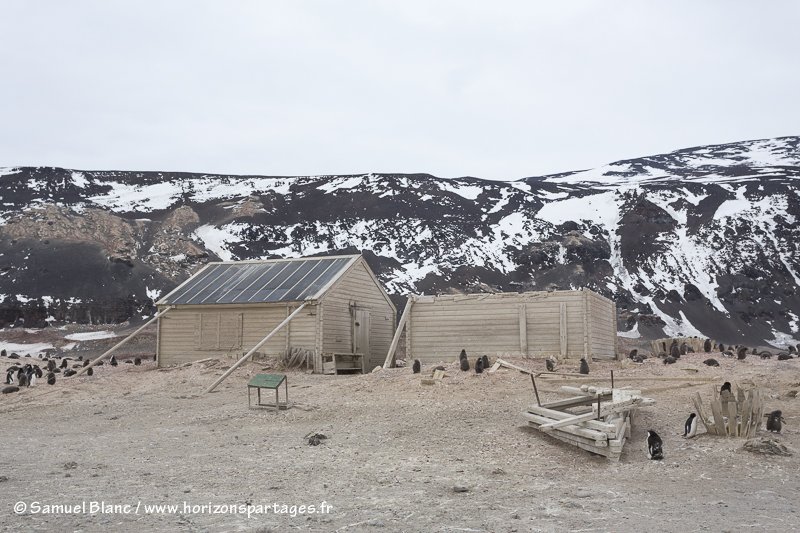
{"points": [[90, 336], [25, 349]]}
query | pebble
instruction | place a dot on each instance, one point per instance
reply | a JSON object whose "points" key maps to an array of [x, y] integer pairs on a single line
{"points": [[460, 488]]}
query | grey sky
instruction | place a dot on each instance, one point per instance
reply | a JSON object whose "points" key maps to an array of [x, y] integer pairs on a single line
{"points": [[498, 90]]}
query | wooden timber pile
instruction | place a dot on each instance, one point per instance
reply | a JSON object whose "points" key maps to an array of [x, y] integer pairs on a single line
{"points": [[732, 415], [599, 421]]}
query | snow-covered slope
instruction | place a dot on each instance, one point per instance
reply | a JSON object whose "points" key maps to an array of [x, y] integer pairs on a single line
{"points": [[701, 241]]}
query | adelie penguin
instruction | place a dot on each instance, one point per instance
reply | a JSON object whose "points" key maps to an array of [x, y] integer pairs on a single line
{"points": [[584, 366], [486, 364], [550, 364], [113, 361], [741, 353], [669, 360], [655, 448], [690, 426], [479, 366], [51, 379], [64, 363], [416, 367], [464, 364], [711, 362], [774, 420], [726, 387], [462, 355], [707, 346]]}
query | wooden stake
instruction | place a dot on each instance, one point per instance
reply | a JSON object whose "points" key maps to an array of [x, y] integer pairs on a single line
{"points": [[535, 391], [612, 379], [256, 347], [125, 340]]}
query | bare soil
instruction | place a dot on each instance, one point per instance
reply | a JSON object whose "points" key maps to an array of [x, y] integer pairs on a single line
{"points": [[399, 455]]}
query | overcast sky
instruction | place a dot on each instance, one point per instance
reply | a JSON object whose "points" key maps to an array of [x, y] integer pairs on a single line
{"points": [[499, 90]]}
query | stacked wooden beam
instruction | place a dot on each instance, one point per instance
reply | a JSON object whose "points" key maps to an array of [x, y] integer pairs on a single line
{"points": [[602, 430], [732, 415]]}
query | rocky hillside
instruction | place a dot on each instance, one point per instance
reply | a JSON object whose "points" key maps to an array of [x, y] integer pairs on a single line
{"points": [[701, 241]]}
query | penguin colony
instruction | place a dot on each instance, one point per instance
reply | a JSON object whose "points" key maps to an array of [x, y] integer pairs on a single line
{"points": [[481, 363], [25, 376]]}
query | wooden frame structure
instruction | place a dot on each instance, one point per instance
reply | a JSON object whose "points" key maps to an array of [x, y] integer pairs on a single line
{"points": [[732, 415], [599, 423]]}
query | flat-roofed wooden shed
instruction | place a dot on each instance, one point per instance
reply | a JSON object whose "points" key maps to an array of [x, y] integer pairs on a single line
{"points": [[564, 324], [227, 308]]}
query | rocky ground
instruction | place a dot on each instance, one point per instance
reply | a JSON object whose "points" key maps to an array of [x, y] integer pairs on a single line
{"points": [[399, 456]]}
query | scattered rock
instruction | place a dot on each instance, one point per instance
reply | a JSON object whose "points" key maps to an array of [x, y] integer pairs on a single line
{"points": [[583, 494], [316, 439], [768, 446], [460, 488], [72, 465]]}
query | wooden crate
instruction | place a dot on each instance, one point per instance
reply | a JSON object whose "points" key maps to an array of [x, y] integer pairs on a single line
{"points": [[732, 414]]}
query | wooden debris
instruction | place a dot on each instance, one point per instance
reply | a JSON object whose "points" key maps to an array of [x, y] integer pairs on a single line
{"points": [[602, 430]]}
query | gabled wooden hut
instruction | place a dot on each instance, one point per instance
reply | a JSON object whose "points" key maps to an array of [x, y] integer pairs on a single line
{"points": [[227, 308]]}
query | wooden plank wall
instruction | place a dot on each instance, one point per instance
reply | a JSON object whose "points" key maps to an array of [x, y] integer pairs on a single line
{"points": [[357, 287], [602, 326], [179, 342], [510, 324]]}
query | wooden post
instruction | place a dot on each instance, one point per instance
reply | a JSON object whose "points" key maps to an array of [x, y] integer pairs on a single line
{"points": [[523, 329], [585, 324], [612, 379], [535, 391], [562, 329], [256, 347], [125, 340], [396, 339]]}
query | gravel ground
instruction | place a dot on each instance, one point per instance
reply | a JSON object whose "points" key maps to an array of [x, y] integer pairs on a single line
{"points": [[400, 456]]}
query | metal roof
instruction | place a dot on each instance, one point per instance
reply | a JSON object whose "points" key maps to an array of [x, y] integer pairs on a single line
{"points": [[274, 280]]}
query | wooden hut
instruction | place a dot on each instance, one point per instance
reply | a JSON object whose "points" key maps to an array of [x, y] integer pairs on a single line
{"points": [[227, 308], [564, 324]]}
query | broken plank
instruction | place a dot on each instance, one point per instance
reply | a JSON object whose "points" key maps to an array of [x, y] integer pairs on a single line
{"points": [[560, 415], [569, 402], [587, 433]]}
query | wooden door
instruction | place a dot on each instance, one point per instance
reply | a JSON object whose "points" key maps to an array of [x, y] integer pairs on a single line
{"points": [[361, 337]]}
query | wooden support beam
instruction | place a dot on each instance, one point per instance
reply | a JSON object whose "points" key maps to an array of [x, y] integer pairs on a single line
{"points": [[562, 329], [396, 339], [125, 340], [569, 402], [506, 364], [608, 409], [253, 350], [523, 329]]}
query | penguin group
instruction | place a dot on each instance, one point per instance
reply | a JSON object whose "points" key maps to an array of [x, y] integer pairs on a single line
{"points": [[23, 376]]}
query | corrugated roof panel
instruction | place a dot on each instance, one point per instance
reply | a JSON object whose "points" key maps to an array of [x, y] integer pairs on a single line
{"points": [[253, 282]]}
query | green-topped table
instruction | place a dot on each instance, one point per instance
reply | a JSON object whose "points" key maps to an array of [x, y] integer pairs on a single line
{"points": [[269, 381]]}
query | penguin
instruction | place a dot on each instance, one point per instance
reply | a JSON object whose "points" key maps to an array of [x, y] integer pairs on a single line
{"points": [[31, 378], [550, 364], [721, 347], [633, 353], [51, 379], [113, 361], [684, 348], [584, 366], [137, 361], [707, 346], [674, 351], [64, 363], [486, 363], [725, 387], [10, 389], [638, 359], [741, 353], [10, 377], [415, 368], [670, 360], [774, 420], [711, 362], [655, 448], [22, 379], [462, 355], [86, 363], [69, 373], [479, 366], [38, 371], [90, 371], [690, 426], [784, 357], [464, 364], [51, 365]]}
